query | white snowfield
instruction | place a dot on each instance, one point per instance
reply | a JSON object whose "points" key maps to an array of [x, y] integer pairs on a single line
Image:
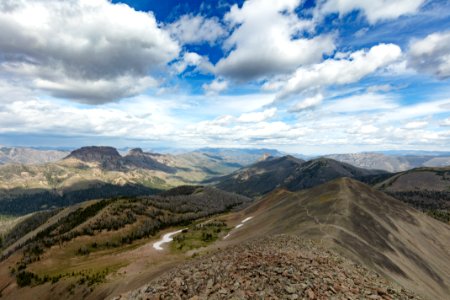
{"points": [[167, 238], [239, 226]]}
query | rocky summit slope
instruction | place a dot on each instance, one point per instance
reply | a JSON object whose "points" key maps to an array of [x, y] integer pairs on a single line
{"points": [[279, 267]]}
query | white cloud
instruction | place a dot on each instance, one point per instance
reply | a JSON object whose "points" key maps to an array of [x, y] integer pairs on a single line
{"points": [[223, 120], [307, 103], [263, 44], [374, 10], [380, 88], [363, 129], [431, 54], [375, 120], [72, 47], [190, 29], [140, 118], [206, 107], [362, 103], [445, 122], [343, 71], [416, 111], [416, 124], [192, 59], [215, 87], [254, 117]]}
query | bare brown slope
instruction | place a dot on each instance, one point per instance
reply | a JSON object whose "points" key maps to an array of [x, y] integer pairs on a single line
{"points": [[367, 225]]}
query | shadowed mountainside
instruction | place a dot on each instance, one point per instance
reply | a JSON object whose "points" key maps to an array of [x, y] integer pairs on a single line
{"points": [[288, 172]]}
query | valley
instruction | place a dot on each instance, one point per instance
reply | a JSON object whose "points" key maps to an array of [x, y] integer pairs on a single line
{"points": [[101, 172]]}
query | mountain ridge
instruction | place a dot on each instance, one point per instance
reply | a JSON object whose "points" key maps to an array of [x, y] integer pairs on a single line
{"points": [[364, 224], [288, 172]]}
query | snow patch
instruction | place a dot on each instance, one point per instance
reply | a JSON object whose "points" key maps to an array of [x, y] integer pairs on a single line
{"points": [[238, 226], [167, 238]]}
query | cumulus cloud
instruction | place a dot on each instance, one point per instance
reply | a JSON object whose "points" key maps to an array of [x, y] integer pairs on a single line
{"points": [[143, 118], [190, 29], [377, 128], [431, 54], [254, 117], [265, 40], [341, 71], [373, 10], [74, 47], [215, 87], [307, 103]]}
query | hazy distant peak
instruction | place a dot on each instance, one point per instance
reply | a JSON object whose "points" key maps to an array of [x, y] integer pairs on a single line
{"points": [[135, 151]]}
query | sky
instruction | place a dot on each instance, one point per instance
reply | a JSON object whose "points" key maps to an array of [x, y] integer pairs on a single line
{"points": [[302, 76]]}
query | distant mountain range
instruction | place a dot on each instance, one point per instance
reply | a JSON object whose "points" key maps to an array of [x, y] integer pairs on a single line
{"points": [[391, 161], [101, 172], [394, 162], [29, 156]]}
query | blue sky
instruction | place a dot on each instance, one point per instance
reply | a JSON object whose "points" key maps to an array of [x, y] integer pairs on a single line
{"points": [[313, 77]]}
